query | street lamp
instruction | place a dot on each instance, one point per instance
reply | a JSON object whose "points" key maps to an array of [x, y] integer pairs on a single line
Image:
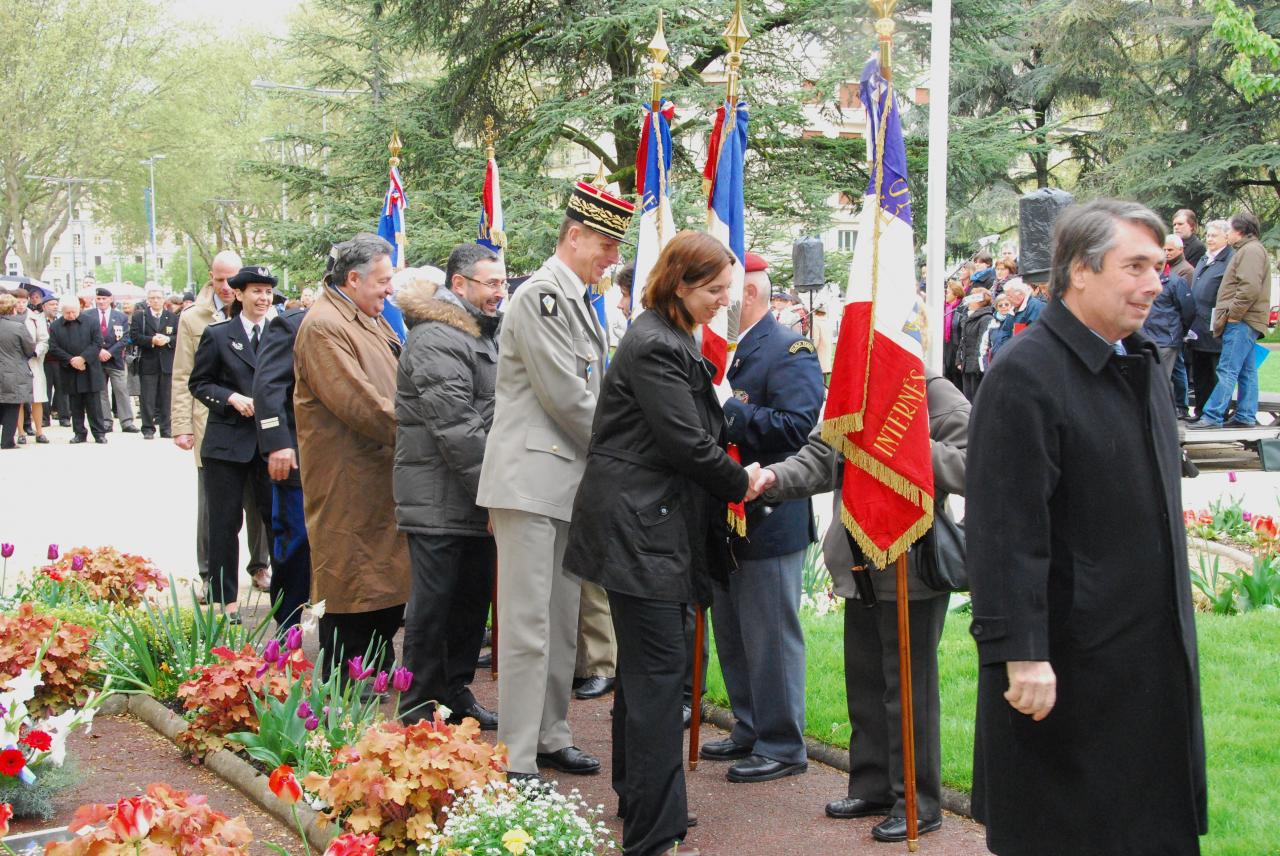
{"points": [[155, 258]]}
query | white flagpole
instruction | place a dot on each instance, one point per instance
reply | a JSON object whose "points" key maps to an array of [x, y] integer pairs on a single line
{"points": [[936, 231]]}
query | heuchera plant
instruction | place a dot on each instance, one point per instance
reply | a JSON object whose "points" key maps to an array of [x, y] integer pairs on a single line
{"points": [[67, 667], [219, 695], [106, 574], [398, 780], [164, 821]]}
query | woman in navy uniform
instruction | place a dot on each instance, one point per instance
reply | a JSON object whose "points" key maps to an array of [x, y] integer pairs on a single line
{"points": [[222, 380]]}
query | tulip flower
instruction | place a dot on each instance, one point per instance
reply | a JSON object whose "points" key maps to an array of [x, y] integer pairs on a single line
{"points": [[77, 563], [293, 639], [401, 679], [351, 844], [133, 818], [311, 724], [1264, 526], [1231, 476], [6, 550], [284, 784], [53, 552], [380, 683], [6, 814], [304, 710], [1246, 516], [356, 670]]}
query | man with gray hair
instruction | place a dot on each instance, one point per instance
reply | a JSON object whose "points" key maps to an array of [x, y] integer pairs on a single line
{"points": [[1171, 313], [1089, 736], [345, 360], [188, 418], [154, 331], [444, 410], [1026, 308]]}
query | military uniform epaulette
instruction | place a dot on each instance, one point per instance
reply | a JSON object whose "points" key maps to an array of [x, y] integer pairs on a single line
{"points": [[219, 322]]}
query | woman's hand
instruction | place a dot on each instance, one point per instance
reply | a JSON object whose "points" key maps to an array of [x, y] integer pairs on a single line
{"points": [[761, 482], [753, 473]]}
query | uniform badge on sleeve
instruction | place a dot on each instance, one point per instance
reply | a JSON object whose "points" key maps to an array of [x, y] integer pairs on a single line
{"points": [[549, 305], [801, 345]]}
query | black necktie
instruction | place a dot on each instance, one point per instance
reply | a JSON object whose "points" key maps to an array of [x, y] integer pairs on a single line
{"points": [[253, 339]]}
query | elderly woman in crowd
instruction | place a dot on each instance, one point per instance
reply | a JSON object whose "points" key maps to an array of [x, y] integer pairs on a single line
{"points": [[1205, 347], [17, 346], [976, 320], [33, 415], [649, 525]]}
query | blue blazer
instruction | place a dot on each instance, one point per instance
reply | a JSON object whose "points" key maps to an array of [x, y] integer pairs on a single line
{"points": [[778, 395]]}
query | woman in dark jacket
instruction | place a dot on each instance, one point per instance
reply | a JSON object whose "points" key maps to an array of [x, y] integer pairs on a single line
{"points": [[16, 347], [1206, 347], [649, 523], [975, 323]]}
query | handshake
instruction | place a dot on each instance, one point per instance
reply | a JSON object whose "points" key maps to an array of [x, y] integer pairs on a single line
{"points": [[759, 480]]}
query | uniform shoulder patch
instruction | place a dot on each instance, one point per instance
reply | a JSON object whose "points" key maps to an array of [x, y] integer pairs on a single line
{"points": [[220, 321], [801, 345], [548, 304]]}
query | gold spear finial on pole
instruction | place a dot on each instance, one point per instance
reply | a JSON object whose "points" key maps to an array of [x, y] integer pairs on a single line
{"points": [[736, 36], [658, 53], [601, 181], [884, 32], [394, 147], [490, 137]]}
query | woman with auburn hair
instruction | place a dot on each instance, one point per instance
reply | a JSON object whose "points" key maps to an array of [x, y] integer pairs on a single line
{"points": [[649, 525]]}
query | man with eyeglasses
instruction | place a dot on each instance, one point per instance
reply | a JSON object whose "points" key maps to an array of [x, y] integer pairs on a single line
{"points": [[444, 410]]}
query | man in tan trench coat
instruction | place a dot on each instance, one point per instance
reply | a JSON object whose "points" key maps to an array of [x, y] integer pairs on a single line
{"points": [[551, 356], [345, 361]]}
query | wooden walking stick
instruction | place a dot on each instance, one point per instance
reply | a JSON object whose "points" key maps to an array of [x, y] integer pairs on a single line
{"points": [[908, 715], [695, 713], [493, 631]]}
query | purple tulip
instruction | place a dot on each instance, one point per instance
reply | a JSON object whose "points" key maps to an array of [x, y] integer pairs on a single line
{"points": [[311, 724], [305, 711], [77, 563], [53, 552], [293, 639], [6, 550], [380, 682], [271, 653], [1231, 476], [1246, 516], [401, 678], [356, 670]]}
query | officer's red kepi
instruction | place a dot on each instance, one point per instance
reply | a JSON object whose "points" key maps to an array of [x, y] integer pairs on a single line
{"points": [[601, 211]]}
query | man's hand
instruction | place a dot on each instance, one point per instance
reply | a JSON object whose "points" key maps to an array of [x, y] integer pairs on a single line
{"points": [[280, 463], [1033, 687], [159, 340], [753, 473], [242, 403], [104, 355], [764, 479], [77, 363], [186, 442]]}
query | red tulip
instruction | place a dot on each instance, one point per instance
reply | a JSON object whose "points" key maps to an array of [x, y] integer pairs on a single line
{"points": [[284, 784], [133, 817], [6, 813], [353, 845], [1265, 527]]}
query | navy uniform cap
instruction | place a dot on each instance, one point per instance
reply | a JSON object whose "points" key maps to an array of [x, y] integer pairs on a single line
{"points": [[251, 275]]}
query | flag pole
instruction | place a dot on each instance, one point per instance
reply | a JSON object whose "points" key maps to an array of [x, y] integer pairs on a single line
{"points": [[394, 162], [657, 69]]}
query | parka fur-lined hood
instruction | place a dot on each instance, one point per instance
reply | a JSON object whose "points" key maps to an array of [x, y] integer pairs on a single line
{"points": [[425, 301]]}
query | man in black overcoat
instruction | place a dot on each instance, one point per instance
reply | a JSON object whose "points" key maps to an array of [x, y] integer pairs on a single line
{"points": [[76, 343], [1089, 735], [154, 329]]}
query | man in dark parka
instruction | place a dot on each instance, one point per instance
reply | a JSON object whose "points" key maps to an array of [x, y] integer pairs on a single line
{"points": [[1089, 737]]}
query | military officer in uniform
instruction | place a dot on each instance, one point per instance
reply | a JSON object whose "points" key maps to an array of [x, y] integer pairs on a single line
{"points": [[552, 351], [222, 380], [777, 399]]}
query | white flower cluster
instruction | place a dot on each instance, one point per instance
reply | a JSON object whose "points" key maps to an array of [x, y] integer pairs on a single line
{"points": [[820, 602], [14, 715], [528, 819]]}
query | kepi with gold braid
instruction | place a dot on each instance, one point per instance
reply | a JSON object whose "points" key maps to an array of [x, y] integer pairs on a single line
{"points": [[600, 210]]}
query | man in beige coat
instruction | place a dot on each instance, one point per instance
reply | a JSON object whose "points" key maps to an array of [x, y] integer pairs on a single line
{"points": [[345, 361], [188, 418], [552, 351]]}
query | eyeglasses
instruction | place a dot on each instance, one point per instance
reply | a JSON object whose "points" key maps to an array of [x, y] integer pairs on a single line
{"points": [[492, 283]]}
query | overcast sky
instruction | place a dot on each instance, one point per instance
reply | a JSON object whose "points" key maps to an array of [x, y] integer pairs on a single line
{"points": [[269, 15]]}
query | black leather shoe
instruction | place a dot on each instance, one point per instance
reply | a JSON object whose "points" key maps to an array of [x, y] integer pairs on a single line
{"points": [[724, 750], [148, 435], [75, 440], [594, 687], [894, 829], [488, 719], [101, 441], [485, 660], [851, 807], [132, 429], [687, 713], [64, 423], [757, 768], [570, 759]]}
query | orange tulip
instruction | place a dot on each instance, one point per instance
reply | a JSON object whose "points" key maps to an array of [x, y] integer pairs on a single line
{"points": [[133, 818], [284, 784], [1265, 527]]}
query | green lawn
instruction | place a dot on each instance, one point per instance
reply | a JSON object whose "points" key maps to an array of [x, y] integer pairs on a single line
{"points": [[1269, 373], [1240, 684]]}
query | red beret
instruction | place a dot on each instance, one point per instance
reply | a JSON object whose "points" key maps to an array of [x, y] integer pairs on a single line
{"points": [[756, 263]]}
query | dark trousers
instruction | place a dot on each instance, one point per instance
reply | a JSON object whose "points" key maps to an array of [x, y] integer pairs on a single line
{"points": [[1178, 376], [444, 621], [224, 487], [291, 554], [354, 634], [8, 425], [970, 383], [648, 735], [875, 712], [155, 403], [89, 403], [1204, 376]]}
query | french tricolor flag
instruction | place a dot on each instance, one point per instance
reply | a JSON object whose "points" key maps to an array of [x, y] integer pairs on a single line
{"points": [[876, 414], [726, 220], [492, 229], [391, 223], [653, 168]]}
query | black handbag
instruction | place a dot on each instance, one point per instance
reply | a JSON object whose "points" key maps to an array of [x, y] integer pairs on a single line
{"points": [[939, 555]]}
